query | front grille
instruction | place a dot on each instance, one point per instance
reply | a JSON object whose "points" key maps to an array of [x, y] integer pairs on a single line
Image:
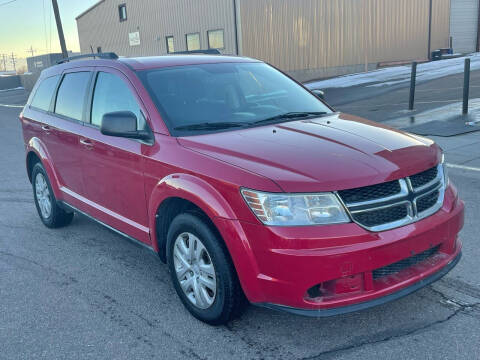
{"points": [[372, 192], [426, 202], [404, 264], [392, 204], [382, 216], [424, 177]]}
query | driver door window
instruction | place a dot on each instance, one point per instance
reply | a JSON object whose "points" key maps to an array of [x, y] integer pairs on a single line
{"points": [[112, 94]]}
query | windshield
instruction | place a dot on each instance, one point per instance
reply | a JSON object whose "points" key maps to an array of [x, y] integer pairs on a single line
{"points": [[198, 99]]}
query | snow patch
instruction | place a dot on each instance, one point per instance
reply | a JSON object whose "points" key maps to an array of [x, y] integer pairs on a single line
{"points": [[399, 74]]}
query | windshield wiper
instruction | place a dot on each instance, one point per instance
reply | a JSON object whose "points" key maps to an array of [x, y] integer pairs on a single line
{"points": [[211, 126], [292, 115]]}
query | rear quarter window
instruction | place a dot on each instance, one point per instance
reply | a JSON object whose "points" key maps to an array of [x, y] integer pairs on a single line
{"points": [[71, 95], [44, 94]]}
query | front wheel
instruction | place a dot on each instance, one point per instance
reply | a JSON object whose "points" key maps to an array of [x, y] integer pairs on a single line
{"points": [[202, 271], [52, 215]]}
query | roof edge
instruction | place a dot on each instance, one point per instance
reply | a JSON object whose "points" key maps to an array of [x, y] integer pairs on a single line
{"points": [[89, 9]]}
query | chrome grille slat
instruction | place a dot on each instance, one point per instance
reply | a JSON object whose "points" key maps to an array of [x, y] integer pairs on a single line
{"points": [[424, 179], [354, 206], [379, 214], [370, 193]]}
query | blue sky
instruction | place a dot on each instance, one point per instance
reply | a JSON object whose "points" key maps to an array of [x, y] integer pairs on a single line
{"points": [[25, 23]]}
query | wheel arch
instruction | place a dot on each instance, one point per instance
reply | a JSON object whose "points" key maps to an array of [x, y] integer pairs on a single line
{"points": [[36, 151], [179, 193]]}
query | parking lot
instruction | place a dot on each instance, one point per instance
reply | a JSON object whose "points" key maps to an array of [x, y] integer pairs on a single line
{"points": [[85, 292]]}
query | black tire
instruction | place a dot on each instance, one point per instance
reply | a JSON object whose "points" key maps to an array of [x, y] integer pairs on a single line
{"points": [[57, 217], [229, 300]]}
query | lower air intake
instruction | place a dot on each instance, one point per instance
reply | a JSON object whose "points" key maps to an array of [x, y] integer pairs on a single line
{"points": [[404, 264]]}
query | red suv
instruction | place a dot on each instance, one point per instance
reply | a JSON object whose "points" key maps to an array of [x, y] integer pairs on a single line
{"points": [[246, 184]]}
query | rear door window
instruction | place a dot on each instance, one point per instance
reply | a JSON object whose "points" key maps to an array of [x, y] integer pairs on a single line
{"points": [[113, 94], [71, 95], [44, 94]]}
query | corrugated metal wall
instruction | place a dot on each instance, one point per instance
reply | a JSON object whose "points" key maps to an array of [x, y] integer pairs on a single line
{"points": [[154, 20], [307, 38], [315, 38], [464, 25]]}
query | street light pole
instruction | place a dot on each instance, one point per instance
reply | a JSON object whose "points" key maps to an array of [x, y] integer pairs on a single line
{"points": [[59, 29]]}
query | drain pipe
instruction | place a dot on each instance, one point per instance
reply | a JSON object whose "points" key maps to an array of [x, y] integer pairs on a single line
{"points": [[430, 31], [235, 24], [477, 47]]}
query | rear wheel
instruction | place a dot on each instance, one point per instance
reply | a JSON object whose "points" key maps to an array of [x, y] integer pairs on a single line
{"points": [[202, 271], [52, 215]]}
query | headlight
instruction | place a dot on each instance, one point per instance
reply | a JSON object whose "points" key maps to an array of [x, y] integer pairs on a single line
{"points": [[282, 209]]}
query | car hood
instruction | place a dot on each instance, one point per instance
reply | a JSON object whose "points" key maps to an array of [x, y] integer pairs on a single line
{"points": [[334, 152]]}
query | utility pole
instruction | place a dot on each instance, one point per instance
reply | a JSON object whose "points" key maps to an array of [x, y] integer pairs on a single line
{"points": [[13, 60], [4, 59], [31, 50], [59, 29]]}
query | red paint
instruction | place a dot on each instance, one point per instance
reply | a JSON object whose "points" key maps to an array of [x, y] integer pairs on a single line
{"points": [[123, 182]]}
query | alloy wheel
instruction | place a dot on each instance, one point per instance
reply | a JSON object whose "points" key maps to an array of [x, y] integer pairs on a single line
{"points": [[43, 196], [195, 271]]}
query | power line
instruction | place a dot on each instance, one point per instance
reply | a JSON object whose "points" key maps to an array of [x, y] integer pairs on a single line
{"points": [[45, 26], [8, 2], [50, 32]]}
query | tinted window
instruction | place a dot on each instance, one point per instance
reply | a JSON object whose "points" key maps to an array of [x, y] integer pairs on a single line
{"points": [[43, 95], [71, 95], [229, 92], [113, 94]]}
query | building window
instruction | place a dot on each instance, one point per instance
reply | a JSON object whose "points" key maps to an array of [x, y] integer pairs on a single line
{"points": [[99, 49], [122, 12], [215, 39], [170, 46], [193, 42]]}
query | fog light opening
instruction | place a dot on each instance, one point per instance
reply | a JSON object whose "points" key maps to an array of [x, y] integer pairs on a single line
{"points": [[315, 292]]}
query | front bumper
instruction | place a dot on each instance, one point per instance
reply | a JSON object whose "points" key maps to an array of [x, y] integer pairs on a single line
{"points": [[278, 266], [371, 303]]}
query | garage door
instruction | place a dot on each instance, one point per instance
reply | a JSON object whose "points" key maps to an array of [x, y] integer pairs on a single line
{"points": [[463, 25]]}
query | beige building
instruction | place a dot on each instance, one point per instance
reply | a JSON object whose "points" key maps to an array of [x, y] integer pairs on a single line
{"points": [[307, 38]]}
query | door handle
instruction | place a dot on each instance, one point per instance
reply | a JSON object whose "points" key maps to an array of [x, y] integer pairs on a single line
{"points": [[87, 143], [46, 128]]}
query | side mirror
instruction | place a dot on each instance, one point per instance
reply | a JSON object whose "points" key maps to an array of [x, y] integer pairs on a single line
{"points": [[319, 93], [122, 124]]}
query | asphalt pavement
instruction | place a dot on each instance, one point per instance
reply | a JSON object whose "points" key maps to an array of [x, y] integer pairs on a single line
{"points": [[85, 292]]}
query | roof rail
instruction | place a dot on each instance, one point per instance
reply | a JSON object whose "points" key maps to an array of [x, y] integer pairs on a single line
{"points": [[206, 51], [105, 55]]}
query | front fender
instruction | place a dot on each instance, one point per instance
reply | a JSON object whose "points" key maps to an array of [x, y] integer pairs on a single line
{"points": [[36, 146], [193, 189]]}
